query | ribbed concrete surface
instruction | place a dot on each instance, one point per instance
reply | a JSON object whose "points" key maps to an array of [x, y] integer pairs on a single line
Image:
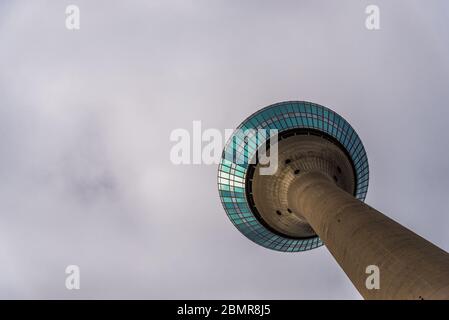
{"points": [[296, 155], [358, 235]]}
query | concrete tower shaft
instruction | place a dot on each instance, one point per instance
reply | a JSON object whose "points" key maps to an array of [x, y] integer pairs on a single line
{"points": [[312, 194], [358, 236]]}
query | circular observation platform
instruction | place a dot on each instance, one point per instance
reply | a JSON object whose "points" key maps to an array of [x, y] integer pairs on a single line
{"points": [[310, 137]]}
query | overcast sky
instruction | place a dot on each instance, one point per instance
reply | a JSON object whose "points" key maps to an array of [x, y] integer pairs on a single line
{"points": [[85, 119]]}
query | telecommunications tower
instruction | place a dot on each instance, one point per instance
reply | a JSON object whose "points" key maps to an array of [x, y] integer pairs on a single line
{"points": [[316, 196]]}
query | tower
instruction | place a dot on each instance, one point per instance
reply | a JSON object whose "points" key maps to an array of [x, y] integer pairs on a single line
{"points": [[316, 196]]}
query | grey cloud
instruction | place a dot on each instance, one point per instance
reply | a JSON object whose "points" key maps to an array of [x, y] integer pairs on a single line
{"points": [[85, 118]]}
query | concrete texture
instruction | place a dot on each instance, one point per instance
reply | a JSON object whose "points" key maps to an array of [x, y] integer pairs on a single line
{"points": [[298, 154], [358, 235], [311, 194]]}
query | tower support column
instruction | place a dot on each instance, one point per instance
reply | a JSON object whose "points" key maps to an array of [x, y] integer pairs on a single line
{"points": [[358, 236]]}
